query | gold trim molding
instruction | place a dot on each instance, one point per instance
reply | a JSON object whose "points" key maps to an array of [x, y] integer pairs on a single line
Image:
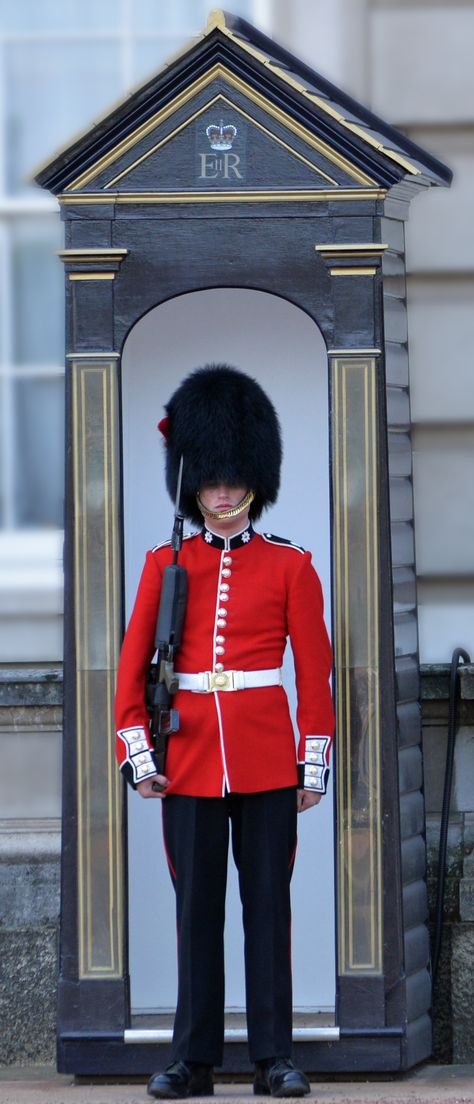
{"points": [[91, 275], [347, 252], [92, 264], [355, 352], [296, 196], [351, 249], [216, 18], [92, 356], [81, 256], [362, 271]]}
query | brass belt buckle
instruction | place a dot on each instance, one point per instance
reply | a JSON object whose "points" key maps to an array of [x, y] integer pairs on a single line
{"points": [[219, 680]]}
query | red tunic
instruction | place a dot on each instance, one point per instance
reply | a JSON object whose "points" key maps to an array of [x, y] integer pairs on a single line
{"points": [[247, 594]]}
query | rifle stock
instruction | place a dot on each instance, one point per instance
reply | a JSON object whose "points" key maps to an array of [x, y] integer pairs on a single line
{"points": [[162, 682]]}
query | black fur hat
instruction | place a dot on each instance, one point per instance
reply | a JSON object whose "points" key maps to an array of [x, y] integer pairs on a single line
{"points": [[227, 429]]}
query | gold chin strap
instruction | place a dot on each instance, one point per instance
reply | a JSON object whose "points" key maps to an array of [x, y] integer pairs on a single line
{"points": [[221, 515]]}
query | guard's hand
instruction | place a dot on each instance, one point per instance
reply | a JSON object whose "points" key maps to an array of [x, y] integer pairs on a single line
{"points": [[305, 799], [147, 787]]}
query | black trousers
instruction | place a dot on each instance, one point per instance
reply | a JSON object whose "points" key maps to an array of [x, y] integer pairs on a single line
{"points": [[196, 834]]}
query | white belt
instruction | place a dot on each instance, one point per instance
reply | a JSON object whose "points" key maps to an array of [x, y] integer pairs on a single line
{"points": [[206, 682]]}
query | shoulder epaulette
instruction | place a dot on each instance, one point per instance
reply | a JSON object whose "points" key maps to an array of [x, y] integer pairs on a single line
{"points": [[164, 544], [272, 539]]}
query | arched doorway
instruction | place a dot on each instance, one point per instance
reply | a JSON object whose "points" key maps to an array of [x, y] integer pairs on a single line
{"points": [[281, 346]]}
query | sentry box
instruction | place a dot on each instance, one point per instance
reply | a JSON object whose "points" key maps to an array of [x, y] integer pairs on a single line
{"points": [[239, 207]]}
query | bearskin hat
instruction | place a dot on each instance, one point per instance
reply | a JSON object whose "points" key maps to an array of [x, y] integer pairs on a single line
{"points": [[224, 425]]}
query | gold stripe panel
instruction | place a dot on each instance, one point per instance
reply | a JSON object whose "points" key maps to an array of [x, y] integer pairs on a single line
{"points": [[356, 651], [97, 621]]}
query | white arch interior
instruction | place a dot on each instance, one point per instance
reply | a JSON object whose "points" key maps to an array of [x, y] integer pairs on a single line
{"points": [[280, 345]]}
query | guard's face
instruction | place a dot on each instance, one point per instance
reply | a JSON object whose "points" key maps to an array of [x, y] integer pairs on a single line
{"points": [[221, 496]]}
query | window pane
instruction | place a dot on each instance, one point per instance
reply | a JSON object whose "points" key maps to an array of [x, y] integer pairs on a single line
{"points": [[181, 15], [185, 16], [55, 89], [56, 15], [38, 292], [39, 452]]}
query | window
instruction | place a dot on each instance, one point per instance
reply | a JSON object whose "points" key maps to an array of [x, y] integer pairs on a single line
{"points": [[61, 65]]}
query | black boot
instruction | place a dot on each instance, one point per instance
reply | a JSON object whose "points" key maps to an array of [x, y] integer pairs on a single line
{"points": [[182, 1079], [279, 1077]]}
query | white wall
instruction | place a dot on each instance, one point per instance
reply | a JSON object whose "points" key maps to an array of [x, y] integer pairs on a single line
{"points": [[281, 346]]}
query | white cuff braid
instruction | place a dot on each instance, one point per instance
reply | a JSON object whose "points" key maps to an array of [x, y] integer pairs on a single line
{"points": [[140, 759], [313, 772]]}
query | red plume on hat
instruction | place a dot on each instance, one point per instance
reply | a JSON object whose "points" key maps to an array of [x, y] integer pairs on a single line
{"points": [[226, 428], [164, 428]]}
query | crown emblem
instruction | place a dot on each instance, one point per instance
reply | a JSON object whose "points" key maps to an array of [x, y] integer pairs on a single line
{"points": [[222, 136]]}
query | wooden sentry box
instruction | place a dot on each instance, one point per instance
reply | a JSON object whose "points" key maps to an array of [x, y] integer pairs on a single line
{"points": [[306, 200]]}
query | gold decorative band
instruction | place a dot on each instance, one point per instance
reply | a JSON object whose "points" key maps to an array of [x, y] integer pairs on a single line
{"points": [[351, 249], [221, 515], [356, 352], [352, 271], [92, 275], [92, 355], [87, 255], [314, 195]]}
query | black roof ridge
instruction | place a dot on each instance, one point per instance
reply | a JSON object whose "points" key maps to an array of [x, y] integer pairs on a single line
{"points": [[268, 45]]}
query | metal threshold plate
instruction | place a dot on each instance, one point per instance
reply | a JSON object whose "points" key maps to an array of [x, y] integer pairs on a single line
{"points": [[308, 1027]]}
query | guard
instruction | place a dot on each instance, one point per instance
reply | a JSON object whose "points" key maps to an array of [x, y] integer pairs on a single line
{"points": [[231, 768]]}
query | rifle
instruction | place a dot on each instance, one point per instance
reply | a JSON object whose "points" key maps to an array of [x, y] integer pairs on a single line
{"points": [[162, 682]]}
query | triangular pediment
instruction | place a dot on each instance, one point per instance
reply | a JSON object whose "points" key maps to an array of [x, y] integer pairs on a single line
{"points": [[293, 131], [220, 134]]}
